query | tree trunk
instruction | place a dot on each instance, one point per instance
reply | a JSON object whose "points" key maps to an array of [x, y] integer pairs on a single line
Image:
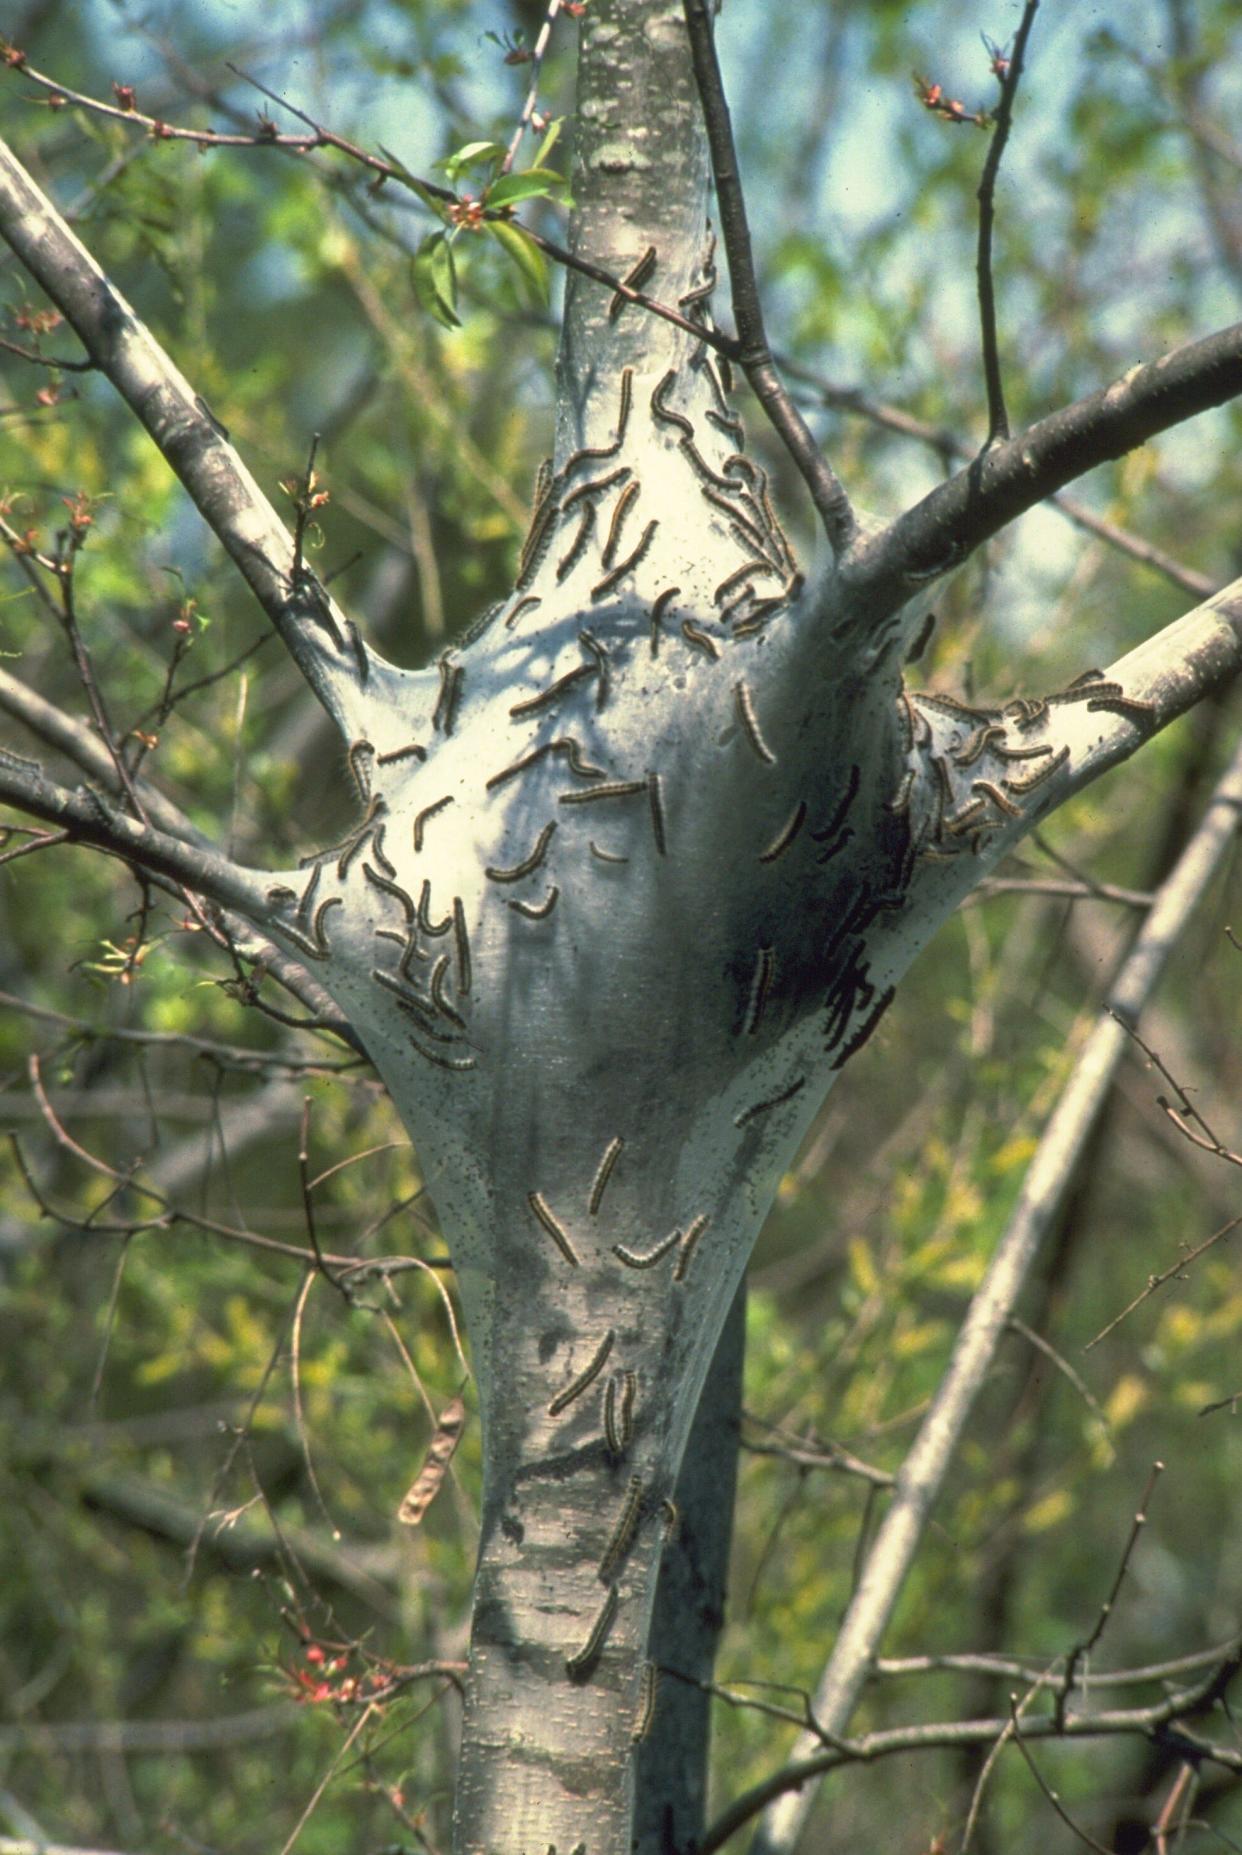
{"points": [[672, 1770]]}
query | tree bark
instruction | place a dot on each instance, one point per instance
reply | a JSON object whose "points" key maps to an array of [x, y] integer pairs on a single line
{"points": [[672, 1768]]}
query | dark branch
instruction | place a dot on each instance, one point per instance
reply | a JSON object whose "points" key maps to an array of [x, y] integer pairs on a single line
{"points": [[754, 356], [939, 532], [998, 418], [948, 445]]}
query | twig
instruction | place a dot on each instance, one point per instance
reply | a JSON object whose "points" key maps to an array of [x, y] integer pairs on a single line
{"points": [[1155, 1282], [753, 353], [56, 361], [998, 418], [1014, 475], [1208, 1141], [385, 172], [308, 1212], [229, 1055], [189, 436], [1063, 1366], [326, 1779], [993, 1759], [1051, 1795], [1147, 1722], [532, 95], [295, 1379], [1084, 1648], [1070, 891]]}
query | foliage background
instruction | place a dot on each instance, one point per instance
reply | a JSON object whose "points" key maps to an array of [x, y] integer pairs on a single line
{"points": [[145, 1382]]}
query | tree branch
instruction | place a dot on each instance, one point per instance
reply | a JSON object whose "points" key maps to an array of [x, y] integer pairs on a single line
{"points": [[998, 418], [947, 444], [1047, 1180], [754, 355], [802, 1774], [943, 529], [80, 745], [315, 631], [89, 820]]}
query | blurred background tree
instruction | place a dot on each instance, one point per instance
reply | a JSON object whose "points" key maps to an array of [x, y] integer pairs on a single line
{"points": [[202, 1453]]}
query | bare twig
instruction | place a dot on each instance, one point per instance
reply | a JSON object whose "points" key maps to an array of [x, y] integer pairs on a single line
{"points": [[56, 361], [1063, 1366], [1069, 891], [753, 353], [1083, 1649], [954, 519], [532, 95], [947, 445], [1208, 1141], [1050, 1794], [228, 1055], [308, 1212], [1010, 78], [1167, 1715], [1155, 1282]]}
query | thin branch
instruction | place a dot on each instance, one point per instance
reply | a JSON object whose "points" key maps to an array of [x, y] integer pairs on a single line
{"points": [[1068, 891], [998, 418], [80, 745], [532, 95], [947, 444], [229, 1055], [1208, 1141], [195, 444], [1084, 1648], [385, 171], [955, 518], [728, 345], [1047, 1181], [58, 362], [1063, 1366], [1030, 1668], [1152, 1722], [754, 355], [151, 1738], [1050, 1794], [810, 1453], [1176, 1271], [265, 135], [326, 1779], [90, 820]]}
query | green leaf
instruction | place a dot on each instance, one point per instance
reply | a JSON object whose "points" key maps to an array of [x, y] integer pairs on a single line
{"points": [[550, 139], [472, 154], [534, 183], [435, 279], [525, 253]]}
